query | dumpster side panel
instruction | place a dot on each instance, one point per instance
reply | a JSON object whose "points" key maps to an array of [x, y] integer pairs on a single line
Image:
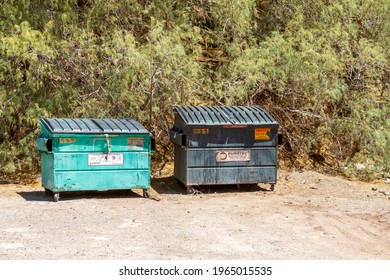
{"points": [[209, 157], [231, 175], [81, 161], [47, 170], [200, 167], [101, 180], [180, 164], [47, 165], [72, 172]]}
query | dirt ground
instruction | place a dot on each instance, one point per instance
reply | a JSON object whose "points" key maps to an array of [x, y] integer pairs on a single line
{"points": [[308, 216]]}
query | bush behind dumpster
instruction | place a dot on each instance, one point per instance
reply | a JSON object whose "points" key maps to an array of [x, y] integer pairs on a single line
{"points": [[321, 69]]}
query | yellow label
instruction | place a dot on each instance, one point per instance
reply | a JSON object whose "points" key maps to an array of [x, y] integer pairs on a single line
{"points": [[201, 131], [67, 140], [135, 143], [262, 133]]}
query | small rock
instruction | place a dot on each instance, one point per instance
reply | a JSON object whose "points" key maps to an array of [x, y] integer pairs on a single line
{"points": [[360, 166], [318, 180], [387, 193], [374, 189], [304, 182], [368, 195], [314, 188]]}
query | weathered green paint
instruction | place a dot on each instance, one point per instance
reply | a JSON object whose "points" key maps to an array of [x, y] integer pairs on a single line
{"points": [[102, 180], [65, 161]]}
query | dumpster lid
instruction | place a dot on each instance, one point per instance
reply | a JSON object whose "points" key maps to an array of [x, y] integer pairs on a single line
{"points": [[224, 115], [89, 126]]}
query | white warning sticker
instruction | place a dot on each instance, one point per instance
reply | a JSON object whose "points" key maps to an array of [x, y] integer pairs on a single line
{"points": [[228, 156], [105, 159]]}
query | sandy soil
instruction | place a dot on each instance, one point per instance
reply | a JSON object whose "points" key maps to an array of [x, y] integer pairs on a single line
{"points": [[308, 216]]}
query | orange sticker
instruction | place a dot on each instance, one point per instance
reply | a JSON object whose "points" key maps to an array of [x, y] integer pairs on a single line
{"points": [[262, 134], [135, 143], [201, 131]]}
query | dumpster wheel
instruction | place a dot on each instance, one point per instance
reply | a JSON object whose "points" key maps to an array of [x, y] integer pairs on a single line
{"points": [[190, 190], [272, 187], [56, 197], [146, 193]]}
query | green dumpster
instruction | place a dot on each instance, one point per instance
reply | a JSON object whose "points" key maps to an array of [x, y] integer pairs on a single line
{"points": [[94, 154]]}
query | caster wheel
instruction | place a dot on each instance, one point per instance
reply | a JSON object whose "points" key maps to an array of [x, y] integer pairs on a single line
{"points": [[146, 193], [272, 187], [56, 197], [190, 190]]}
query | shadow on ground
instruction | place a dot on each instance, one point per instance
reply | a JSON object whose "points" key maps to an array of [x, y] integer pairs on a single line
{"points": [[65, 196], [161, 185], [170, 185]]}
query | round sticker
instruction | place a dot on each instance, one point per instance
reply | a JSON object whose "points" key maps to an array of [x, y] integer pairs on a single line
{"points": [[222, 156]]}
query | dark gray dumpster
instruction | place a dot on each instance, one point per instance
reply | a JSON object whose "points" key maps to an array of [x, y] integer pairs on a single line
{"points": [[220, 145]]}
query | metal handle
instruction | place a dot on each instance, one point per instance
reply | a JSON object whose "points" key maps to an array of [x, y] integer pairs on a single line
{"points": [[108, 143]]}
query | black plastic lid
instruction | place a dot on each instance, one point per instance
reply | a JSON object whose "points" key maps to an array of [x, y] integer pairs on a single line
{"points": [[93, 126], [224, 115]]}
